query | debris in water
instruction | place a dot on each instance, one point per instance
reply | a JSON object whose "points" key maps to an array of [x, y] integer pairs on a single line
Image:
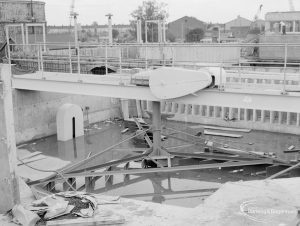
{"points": [[236, 171], [125, 130], [207, 132], [291, 147]]}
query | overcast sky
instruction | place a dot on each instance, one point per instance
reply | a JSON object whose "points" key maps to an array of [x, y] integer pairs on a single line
{"points": [[57, 11]]}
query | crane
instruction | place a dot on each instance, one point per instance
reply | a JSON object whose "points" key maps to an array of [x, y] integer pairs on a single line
{"points": [[292, 7], [256, 17], [73, 16]]}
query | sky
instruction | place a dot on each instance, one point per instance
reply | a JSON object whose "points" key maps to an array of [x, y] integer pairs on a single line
{"points": [[216, 11]]}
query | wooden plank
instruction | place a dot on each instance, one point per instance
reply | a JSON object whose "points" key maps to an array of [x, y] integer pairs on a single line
{"points": [[221, 128], [207, 132], [96, 220], [34, 159], [227, 129], [33, 154], [291, 151]]}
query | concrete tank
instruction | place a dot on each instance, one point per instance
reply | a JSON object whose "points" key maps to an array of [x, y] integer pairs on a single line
{"points": [[20, 11]]}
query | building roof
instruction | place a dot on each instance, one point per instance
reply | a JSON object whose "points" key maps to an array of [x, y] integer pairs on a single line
{"points": [[187, 18], [282, 16], [238, 22]]}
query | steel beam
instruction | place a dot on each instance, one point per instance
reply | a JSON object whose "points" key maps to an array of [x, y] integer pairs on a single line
{"points": [[214, 156], [271, 100], [171, 169]]}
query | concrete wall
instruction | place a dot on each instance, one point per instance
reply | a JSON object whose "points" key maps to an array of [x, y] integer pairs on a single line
{"points": [[35, 112], [293, 53], [192, 53], [272, 121], [198, 54]]}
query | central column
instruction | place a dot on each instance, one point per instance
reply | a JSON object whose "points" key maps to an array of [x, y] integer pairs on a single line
{"points": [[156, 123]]}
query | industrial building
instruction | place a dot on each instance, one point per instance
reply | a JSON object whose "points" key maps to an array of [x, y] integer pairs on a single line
{"points": [[180, 27]]}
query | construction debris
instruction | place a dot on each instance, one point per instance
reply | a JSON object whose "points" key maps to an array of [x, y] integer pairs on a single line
{"points": [[125, 130], [64, 204], [236, 171], [227, 129], [291, 149], [207, 132], [68, 208], [221, 128], [23, 216], [50, 207]]}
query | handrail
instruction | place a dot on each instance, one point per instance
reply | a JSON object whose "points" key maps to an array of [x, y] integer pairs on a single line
{"points": [[87, 54]]}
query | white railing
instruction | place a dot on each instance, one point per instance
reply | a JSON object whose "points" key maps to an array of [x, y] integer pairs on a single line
{"points": [[123, 56]]}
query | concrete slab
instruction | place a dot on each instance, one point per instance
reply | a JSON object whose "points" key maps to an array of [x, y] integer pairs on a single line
{"points": [[222, 208], [45, 165], [227, 206]]}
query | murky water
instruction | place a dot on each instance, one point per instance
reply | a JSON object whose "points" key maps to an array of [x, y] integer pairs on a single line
{"points": [[186, 188]]}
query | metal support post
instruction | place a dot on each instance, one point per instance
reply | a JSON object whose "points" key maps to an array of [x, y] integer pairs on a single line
{"points": [[23, 37], [70, 59], [120, 60], [78, 61], [41, 60], [156, 121], [106, 65], [146, 58], [26, 33], [285, 64]]}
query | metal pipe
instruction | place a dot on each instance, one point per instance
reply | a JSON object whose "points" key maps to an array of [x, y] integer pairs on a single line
{"points": [[42, 62]]}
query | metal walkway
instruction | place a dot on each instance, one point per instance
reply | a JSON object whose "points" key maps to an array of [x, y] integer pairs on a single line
{"points": [[119, 86]]}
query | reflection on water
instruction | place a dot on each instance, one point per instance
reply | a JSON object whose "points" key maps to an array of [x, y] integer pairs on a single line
{"points": [[187, 188]]}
